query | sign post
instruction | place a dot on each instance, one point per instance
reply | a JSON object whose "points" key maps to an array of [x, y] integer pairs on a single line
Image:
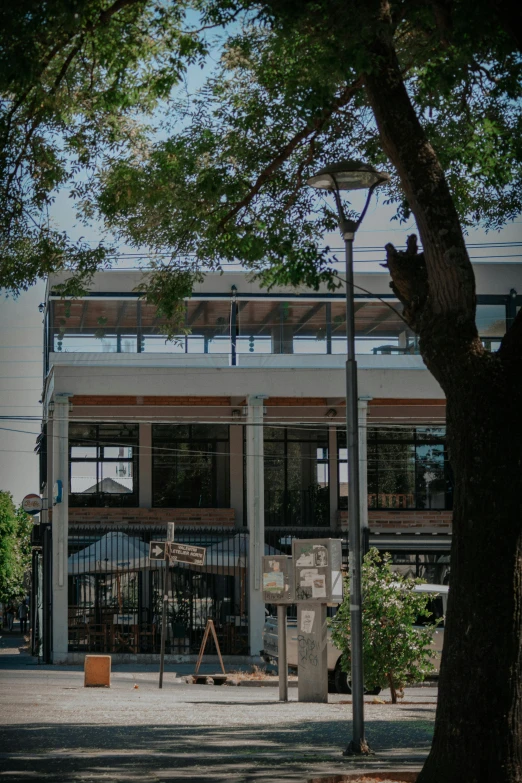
{"points": [[312, 579], [166, 587], [178, 553], [278, 588], [282, 658], [186, 553]]}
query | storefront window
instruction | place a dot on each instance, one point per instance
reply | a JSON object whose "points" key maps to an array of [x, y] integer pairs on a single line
{"points": [[296, 476], [190, 466], [407, 468]]}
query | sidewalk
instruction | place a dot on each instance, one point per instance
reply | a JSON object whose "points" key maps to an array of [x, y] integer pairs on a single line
{"points": [[53, 729]]}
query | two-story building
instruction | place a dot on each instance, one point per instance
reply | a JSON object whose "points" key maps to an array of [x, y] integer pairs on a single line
{"points": [[235, 431]]}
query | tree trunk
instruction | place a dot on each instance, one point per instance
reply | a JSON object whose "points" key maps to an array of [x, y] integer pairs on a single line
{"points": [[478, 729], [392, 688]]}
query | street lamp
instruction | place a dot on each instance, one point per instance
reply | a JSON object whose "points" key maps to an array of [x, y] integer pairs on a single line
{"points": [[352, 175]]}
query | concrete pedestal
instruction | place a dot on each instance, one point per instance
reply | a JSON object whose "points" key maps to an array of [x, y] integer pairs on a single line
{"points": [[312, 666]]}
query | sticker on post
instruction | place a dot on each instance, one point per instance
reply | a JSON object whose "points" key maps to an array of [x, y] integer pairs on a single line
{"points": [[320, 555], [274, 582], [307, 620], [305, 559], [306, 576], [319, 586]]}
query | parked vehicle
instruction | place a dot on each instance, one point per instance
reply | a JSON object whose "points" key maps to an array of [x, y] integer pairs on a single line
{"points": [[341, 680]]}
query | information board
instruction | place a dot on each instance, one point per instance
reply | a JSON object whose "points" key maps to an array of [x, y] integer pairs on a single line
{"points": [[278, 583], [317, 570]]}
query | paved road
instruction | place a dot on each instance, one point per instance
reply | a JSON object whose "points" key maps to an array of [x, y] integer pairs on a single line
{"points": [[53, 729]]}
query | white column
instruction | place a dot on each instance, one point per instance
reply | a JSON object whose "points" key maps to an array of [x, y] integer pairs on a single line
{"points": [[236, 472], [255, 486], [60, 526], [145, 466], [363, 463]]}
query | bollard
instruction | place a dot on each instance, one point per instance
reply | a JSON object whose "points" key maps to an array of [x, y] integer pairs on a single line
{"points": [[97, 671]]}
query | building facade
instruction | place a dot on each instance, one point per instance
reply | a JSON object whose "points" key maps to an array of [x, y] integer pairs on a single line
{"points": [[234, 431]]}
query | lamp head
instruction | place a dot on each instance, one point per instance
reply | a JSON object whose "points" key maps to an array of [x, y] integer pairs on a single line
{"points": [[347, 175]]}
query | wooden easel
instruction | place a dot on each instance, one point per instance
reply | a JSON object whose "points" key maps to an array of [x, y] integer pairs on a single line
{"points": [[209, 627]]}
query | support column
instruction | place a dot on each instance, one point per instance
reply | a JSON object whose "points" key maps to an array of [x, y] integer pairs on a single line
{"points": [[256, 519], [312, 664], [60, 527], [145, 466], [333, 476], [363, 471], [236, 472]]}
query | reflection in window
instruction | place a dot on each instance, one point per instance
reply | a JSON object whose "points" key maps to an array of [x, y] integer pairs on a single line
{"points": [[296, 476], [407, 468], [432, 567], [103, 465], [379, 329], [190, 466], [491, 324]]}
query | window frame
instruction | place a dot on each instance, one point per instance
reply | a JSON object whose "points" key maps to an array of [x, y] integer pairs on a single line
{"points": [[100, 442], [285, 439], [415, 441]]}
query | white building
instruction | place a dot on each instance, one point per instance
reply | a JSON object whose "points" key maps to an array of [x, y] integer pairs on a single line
{"points": [[235, 432]]}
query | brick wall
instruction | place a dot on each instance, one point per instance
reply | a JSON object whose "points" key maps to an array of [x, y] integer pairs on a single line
{"points": [[124, 400], [196, 517], [389, 520]]}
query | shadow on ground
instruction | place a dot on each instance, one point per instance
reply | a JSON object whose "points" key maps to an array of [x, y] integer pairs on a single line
{"points": [[201, 754]]}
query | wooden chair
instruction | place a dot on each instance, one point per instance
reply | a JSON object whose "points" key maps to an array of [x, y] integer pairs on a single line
{"points": [[97, 640]]}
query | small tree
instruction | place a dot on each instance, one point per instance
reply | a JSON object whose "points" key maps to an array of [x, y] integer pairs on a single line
{"points": [[15, 549], [394, 652]]}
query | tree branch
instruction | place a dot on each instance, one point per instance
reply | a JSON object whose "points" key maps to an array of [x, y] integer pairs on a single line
{"points": [[449, 270], [312, 128], [409, 280]]}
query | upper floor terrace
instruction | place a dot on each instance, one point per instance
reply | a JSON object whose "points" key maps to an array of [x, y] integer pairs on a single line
{"points": [[231, 318]]}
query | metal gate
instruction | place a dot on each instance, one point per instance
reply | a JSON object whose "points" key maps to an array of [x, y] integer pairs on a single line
{"points": [[115, 591]]}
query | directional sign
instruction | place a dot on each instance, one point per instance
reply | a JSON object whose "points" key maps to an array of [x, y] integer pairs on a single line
{"points": [[185, 553], [158, 550]]}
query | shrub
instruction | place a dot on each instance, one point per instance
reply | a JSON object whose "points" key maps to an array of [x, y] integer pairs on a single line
{"points": [[394, 652]]}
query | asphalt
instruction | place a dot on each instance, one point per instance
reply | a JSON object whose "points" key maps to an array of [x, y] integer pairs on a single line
{"points": [[54, 729]]}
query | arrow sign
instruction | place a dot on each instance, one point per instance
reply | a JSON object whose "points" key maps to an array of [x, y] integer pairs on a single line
{"points": [[158, 550], [185, 553]]}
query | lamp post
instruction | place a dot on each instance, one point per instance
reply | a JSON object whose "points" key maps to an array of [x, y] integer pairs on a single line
{"points": [[352, 175]]}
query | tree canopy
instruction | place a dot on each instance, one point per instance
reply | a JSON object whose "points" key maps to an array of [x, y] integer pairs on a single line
{"points": [[93, 100]]}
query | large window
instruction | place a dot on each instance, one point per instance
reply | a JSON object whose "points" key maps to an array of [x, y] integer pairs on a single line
{"points": [[407, 468], [296, 476], [103, 464], [190, 466]]}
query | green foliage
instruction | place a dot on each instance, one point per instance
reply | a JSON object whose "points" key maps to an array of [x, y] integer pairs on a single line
{"points": [[15, 549], [77, 79], [286, 98], [394, 652], [91, 98]]}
